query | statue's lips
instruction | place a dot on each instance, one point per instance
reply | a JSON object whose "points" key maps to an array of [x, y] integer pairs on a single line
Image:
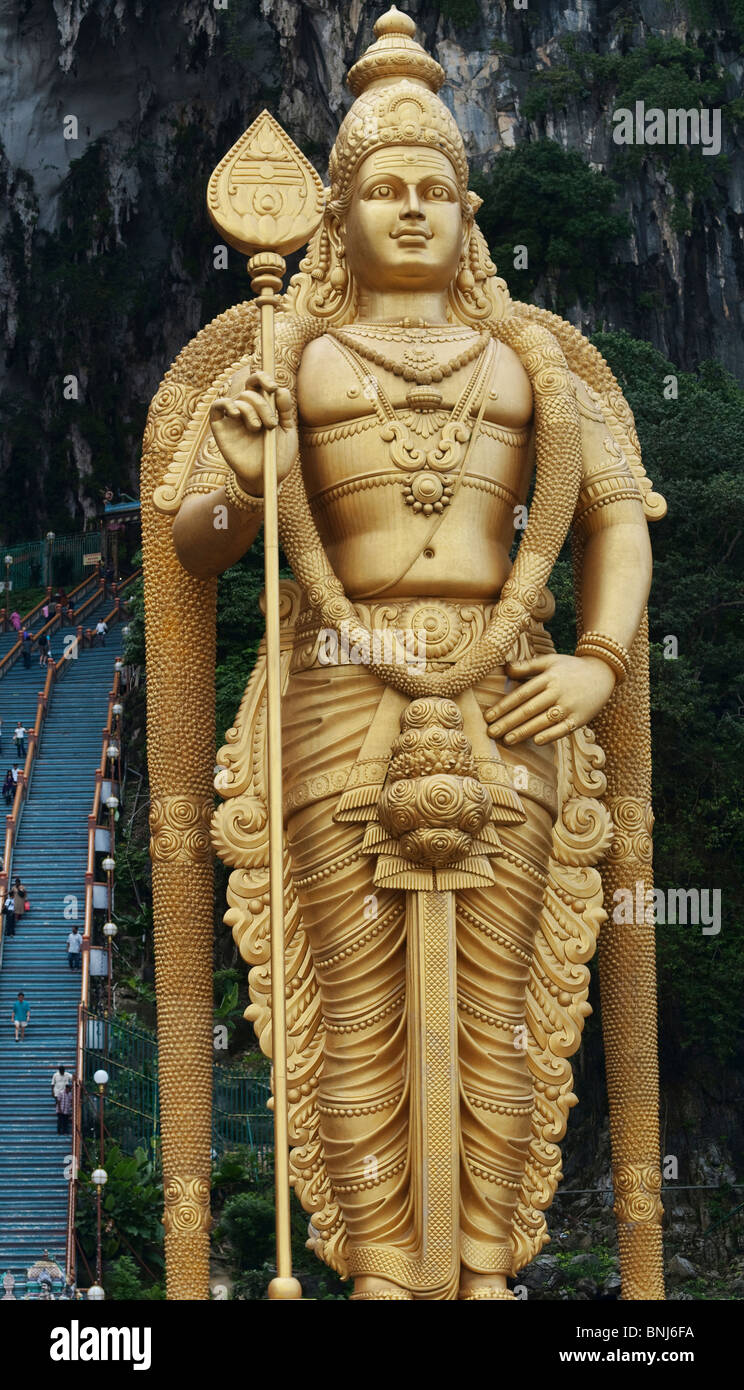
{"points": [[412, 239]]}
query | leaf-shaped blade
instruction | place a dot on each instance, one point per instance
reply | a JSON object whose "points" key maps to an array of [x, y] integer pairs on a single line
{"points": [[265, 195]]}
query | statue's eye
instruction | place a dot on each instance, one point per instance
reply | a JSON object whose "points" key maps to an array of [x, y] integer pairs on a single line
{"points": [[439, 193], [382, 190]]}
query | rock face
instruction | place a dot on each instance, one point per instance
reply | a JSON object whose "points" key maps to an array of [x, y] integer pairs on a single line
{"points": [[114, 113]]}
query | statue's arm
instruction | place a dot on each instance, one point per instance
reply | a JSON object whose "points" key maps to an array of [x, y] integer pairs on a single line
{"points": [[555, 694], [210, 534], [610, 519], [213, 530]]}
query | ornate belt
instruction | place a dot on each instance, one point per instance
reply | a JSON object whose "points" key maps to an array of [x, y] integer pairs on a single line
{"points": [[427, 633]]}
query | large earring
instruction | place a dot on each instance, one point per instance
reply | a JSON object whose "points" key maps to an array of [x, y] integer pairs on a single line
{"points": [[333, 292], [477, 292]]}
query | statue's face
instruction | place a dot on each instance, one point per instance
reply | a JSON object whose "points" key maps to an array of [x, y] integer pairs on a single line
{"points": [[404, 227]]}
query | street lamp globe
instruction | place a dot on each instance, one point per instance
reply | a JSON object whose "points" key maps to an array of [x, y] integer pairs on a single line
{"points": [[117, 709], [108, 864], [101, 1079], [99, 1176], [110, 930], [112, 802], [96, 1292], [112, 751]]}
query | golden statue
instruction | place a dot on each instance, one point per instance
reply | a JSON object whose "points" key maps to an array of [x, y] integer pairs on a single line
{"points": [[459, 800]]}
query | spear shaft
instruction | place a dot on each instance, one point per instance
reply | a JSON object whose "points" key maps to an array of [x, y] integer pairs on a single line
{"points": [[267, 270]]}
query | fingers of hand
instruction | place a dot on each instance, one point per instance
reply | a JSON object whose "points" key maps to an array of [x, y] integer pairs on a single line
{"points": [[543, 728], [285, 408], [521, 696], [262, 380], [506, 723], [221, 408], [556, 731], [260, 408], [521, 669]]}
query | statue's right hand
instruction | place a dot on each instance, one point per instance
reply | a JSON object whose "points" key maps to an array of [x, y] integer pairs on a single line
{"points": [[238, 424]]}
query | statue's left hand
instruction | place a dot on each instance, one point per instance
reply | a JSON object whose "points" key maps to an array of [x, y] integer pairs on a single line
{"points": [[555, 695]]}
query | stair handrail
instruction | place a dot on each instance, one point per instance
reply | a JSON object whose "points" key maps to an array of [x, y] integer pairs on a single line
{"points": [[78, 1083], [13, 817], [90, 578], [56, 621], [115, 614]]}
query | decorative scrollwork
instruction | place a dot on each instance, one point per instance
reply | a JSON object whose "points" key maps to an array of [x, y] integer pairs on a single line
{"points": [[186, 1204]]}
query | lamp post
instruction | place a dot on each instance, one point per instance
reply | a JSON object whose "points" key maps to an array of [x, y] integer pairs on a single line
{"points": [[117, 710], [110, 930], [50, 555], [99, 1177], [112, 755]]}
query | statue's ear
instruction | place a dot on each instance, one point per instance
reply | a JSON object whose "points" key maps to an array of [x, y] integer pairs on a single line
{"points": [[475, 201], [335, 231]]}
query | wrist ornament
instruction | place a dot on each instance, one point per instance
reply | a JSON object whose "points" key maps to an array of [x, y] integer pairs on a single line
{"points": [[243, 501], [606, 649]]}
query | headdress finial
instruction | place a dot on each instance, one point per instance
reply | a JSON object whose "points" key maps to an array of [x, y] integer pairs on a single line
{"points": [[395, 54]]}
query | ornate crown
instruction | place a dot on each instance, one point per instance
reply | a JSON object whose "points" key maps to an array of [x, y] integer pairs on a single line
{"points": [[395, 84]]}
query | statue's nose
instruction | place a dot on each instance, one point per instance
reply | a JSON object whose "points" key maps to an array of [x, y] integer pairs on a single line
{"points": [[412, 206]]}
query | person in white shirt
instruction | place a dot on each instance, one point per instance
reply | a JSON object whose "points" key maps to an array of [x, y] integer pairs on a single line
{"points": [[74, 947], [60, 1080], [101, 630], [20, 739], [15, 773]]}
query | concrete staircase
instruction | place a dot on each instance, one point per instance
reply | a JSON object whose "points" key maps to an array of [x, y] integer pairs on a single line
{"points": [[50, 858]]}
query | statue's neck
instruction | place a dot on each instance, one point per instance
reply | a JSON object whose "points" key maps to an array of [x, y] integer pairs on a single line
{"points": [[390, 306]]}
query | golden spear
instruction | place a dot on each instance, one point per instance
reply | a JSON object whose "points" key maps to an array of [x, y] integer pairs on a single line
{"points": [[267, 199]]}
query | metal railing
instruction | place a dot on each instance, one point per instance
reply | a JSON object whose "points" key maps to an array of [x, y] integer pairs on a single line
{"points": [[13, 817], [55, 621], [240, 1114], [79, 1082], [54, 673], [31, 559]]}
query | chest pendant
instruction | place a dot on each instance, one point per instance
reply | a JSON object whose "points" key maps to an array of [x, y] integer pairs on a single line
{"points": [[431, 474]]}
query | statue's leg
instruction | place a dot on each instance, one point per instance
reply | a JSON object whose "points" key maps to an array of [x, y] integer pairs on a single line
{"points": [[495, 937], [357, 936]]}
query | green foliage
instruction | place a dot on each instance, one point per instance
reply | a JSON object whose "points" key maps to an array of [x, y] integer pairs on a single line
{"points": [[693, 449], [667, 73], [124, 1283], [245, 1231], [596, 1264], [462, 12], [228, 1011], [247, 1224], [131, 1209], [549, 200]]}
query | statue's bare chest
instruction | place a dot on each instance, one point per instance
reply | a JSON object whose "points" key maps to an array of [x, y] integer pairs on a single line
{"points": [[410, 418]]}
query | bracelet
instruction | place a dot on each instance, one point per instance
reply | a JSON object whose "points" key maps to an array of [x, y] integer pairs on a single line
{"points": [[240, 499], [613, 653]]}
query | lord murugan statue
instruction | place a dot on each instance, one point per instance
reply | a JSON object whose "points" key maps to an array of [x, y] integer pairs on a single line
{"points": [[460, 801]]}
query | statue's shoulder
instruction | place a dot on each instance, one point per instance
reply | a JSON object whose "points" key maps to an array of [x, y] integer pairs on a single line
{"points": [[327, 387], [513, 400]]}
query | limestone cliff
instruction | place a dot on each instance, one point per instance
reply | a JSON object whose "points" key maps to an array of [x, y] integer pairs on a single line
{"points": [[107, 252]]}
